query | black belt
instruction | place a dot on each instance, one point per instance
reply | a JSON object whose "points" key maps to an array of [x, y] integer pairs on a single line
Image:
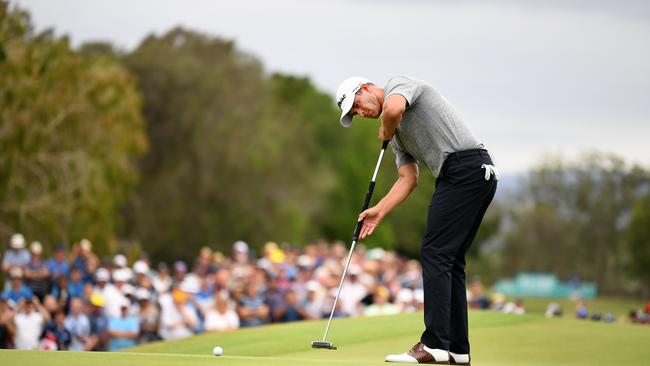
{"points": [[466, 153]]}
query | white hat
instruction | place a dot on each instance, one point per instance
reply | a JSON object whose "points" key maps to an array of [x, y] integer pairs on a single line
{"points": [[141, 267], [142, 294], [102, 274], [190, 285], [85, 244], [119, 260], [313, 286], [17, 241], [345, 97], [241, 246], [121, 275], [36, 247]]}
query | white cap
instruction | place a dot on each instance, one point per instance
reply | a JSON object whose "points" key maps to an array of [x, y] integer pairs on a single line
{"points": [[119, 260], [17, 241], [141, 267], [36, 247], [241, 246], [121, 275], [102, 274], [345, 97], [85, 244], [142, 294], [190, 285]]}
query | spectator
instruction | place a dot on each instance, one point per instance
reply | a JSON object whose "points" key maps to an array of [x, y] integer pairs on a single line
{"points": [[57, 332], [98, 339], [17, 290], [221, 316], [76, 283], [553, 310], [58, 264], [37, 275], [352, 292], [252, 310], [381, 305], [176, 319], [15, 257], [120, 264], [79, 326], [162, 281], [313, 303], [291, 311], [85, 259], [180, 270], [7, 327], [29, 321], [581, 309], [274, 297], [123, 330], [61, 292], [203, 263], [149, 316], [113, 298]]}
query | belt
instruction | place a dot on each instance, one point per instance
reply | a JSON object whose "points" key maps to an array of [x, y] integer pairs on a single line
{"points": [[466, 153]]}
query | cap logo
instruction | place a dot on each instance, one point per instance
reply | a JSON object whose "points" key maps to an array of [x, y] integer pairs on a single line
{"points": [[341, 100]]}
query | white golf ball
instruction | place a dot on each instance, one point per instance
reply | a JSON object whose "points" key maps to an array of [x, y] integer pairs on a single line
{"points": [[217, 351]]}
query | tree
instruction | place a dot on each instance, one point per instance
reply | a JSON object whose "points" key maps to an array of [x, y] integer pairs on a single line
{"points": [[638, 238], [70, 130]]}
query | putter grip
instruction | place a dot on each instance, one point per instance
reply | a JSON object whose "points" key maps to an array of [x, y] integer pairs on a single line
{"points": [[385, 145], [366, 202]]}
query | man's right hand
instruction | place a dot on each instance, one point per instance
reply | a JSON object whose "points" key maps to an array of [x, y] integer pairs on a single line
{"points": [[371, 218]]}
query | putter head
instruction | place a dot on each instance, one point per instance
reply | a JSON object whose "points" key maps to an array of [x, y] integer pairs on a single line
{"points": [[323, 345]]}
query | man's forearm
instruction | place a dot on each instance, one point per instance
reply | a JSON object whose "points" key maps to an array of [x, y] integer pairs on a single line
{"points": [[397, 194]]}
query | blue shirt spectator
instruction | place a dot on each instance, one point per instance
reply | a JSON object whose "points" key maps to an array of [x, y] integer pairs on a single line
{"points": [[17, 289], [57, 330], [76, 283], [58, 264], [123, 330]]}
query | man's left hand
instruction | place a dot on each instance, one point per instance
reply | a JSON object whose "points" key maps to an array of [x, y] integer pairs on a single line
{"points": [[385, 135]]}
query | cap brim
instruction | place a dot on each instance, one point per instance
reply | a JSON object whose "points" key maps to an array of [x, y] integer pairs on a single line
{"points": [[346, 118]]}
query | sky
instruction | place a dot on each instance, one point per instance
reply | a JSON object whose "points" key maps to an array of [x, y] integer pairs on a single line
{"points": [[532, 79]]}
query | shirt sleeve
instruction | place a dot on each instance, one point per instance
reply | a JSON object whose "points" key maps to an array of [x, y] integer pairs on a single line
{"points": [[403, 86], [401, 156]]}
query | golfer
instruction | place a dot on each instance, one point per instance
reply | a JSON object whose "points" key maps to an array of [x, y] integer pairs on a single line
{"points": [[425, 129]]}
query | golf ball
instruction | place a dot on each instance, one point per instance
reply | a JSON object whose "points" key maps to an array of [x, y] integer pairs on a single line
{"points": [[217, 351]]}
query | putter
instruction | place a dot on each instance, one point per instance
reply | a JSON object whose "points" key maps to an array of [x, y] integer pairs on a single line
{"points": [[324, 344]]}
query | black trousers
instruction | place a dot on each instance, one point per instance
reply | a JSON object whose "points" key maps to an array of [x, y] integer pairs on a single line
{"points": [[457, 207]]}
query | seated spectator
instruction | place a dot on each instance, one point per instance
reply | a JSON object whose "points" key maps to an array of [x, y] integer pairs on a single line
{"points": [[149, 316], [58, 264], [477, 298], [553, 310], [15, 257], [17, 290], [98, 340], [327, 308], [252, 310], [29, 321], [56, 331], [85, 259], [381, 305], [176, 319], [120, 264], [313, 303], [79, 326], [123, 330], [221, 316], [162, 281], [581, 310], [291, 310], [37, 275], [274, 297], [7, 327]]}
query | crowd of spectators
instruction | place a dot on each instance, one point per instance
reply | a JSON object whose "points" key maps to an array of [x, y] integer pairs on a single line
{"points": [[75, 301]]}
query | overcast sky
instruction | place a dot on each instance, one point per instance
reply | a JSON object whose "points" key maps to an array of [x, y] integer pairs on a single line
{"points": [[531, 77]]}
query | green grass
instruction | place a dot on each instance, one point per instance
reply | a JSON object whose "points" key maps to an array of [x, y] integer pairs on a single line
{"points": [[497, 339]]}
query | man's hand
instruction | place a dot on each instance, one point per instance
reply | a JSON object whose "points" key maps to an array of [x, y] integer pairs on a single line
{"points": [[385, 135], [371, 218]]}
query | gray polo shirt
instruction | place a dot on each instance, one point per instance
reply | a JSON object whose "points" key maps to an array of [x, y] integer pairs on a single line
{"points": [[430, 128]]}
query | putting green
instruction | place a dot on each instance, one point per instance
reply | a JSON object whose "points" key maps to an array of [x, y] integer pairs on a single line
{"points": [[497, 339]]}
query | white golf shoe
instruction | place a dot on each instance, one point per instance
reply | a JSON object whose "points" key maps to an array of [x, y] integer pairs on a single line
{"points": [[421, 354], [458, 359]]}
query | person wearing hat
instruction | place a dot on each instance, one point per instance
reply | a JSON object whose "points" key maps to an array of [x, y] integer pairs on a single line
{"points": [[15, 257], [123, 329], [7, 326], [58, 264], [98, 339], [17, 290], [425, 129], [37, 274]]}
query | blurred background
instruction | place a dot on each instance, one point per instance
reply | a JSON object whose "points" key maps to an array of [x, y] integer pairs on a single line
{"points": [[156, 130]]}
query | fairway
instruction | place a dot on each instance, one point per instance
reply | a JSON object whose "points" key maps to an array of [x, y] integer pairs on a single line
{"points": [[497, 339]]}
